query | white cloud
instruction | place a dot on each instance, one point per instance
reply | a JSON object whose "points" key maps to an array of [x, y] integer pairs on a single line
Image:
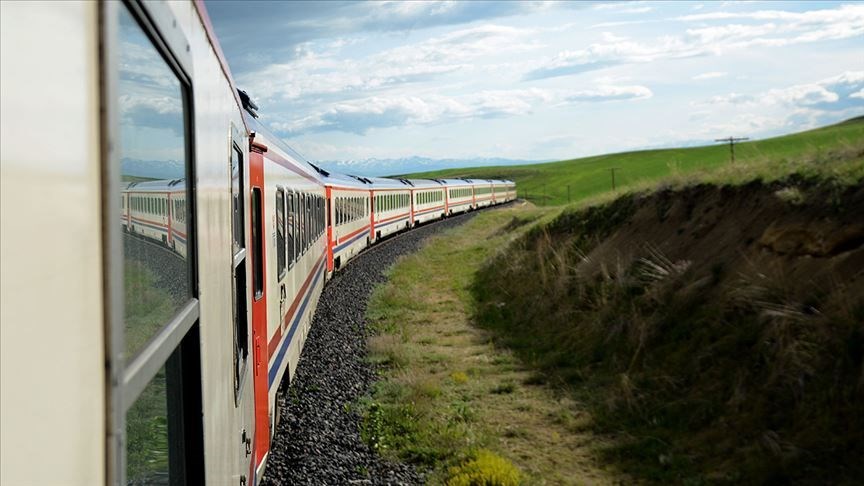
{"points": [[638, 10], [610, 93], [359, 116], [777, 28], [822, 92], [710, 75], [315, 73], [858, 94]]}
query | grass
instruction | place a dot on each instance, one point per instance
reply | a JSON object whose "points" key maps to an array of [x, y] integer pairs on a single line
{"points": [[147, 309], [648, 368], [448, 400], [709, 370], [575, 180]]}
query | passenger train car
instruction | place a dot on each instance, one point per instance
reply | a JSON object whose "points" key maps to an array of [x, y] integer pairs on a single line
{"points": [[152, 351]]}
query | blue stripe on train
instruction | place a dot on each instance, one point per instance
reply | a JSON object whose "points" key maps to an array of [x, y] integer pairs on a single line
{"points": [[352, 240], [286, 342]]}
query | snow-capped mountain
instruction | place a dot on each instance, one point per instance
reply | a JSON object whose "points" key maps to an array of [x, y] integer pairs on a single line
{"points": [[153, 169], [408, 165]]}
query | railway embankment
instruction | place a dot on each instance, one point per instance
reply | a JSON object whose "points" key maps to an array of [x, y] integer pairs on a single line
{"points": [[449, 400], [318, 439], [714, 333]]}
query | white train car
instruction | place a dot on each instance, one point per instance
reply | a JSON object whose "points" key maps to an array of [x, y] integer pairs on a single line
{"points": [[290, 197], [509, 190], [500, 191], [391, 206], [350, 218], [460, 196], [167, 353], [483, 196], [156, 210], [428, 200], [149, 377]]}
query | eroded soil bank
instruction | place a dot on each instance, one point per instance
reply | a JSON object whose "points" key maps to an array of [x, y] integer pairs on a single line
{"points": [[716, 332]]}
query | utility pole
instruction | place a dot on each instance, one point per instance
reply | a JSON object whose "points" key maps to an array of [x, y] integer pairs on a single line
{"points": [[568, 193], [612, 170], [544, 194], [731, 141]]}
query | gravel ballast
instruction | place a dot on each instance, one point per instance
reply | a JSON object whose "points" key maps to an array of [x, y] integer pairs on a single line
{"points": [[318, 438]]}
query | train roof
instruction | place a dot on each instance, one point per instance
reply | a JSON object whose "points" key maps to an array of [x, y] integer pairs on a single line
{"points": [[159, 185], [425, 183], [387, 183], [344, 180], [278, 145], [455, 182]]}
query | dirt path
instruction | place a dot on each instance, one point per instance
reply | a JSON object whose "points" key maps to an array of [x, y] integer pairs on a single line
{"points": [[453, 371]]}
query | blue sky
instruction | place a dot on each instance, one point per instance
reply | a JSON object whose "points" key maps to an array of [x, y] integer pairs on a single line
{"points": [[540, 80]]}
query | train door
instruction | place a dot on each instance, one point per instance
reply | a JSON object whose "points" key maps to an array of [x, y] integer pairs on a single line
{"points": [[259, 301], [328, 194], [370, 205]]}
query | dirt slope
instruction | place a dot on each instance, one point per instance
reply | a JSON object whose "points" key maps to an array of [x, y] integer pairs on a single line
{"points": [[719, 330]]}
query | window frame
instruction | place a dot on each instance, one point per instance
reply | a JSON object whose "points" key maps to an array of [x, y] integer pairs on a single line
{"points": [[289, 229], [176, 346], [281, 258]]}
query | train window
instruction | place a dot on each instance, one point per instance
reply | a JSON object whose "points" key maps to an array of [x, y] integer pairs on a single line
{"points": [[308, 221], [307, 227], [280, 232], [301, 215], [289, 223], [317, 218], [154, 336], [237, 214], [320, 215], [257, 244], [157, 276]]}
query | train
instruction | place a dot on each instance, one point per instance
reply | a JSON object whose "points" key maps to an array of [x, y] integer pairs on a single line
{"points": [[162, 251]]}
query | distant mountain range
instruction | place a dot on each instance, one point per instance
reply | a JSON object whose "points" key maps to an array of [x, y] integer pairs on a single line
{"points": [[407, 165], [153, 169], [173, 169]]}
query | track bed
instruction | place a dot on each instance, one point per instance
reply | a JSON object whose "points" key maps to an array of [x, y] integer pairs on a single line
{"points": [[318, 437]]}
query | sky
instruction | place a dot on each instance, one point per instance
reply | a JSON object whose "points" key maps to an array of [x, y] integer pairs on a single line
{"points": [[539, 80]]}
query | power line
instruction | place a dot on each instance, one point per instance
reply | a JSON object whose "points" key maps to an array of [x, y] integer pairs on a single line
{"points": [[731, 141], [612, 170]]}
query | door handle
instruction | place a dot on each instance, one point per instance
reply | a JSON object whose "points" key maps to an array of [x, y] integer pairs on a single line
{"points": [[257, 354]]}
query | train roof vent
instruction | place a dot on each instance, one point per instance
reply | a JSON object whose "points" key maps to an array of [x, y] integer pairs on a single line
{"points": [[319, 170], [248, 104], [361, 179], [406, 182], [175, 182]]}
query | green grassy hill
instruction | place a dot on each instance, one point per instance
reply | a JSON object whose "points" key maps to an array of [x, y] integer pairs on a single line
{"points": [[547, 184]]}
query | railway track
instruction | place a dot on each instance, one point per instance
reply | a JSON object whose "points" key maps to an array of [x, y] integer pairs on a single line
{"points": [[167, 267], [318, 437]]}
